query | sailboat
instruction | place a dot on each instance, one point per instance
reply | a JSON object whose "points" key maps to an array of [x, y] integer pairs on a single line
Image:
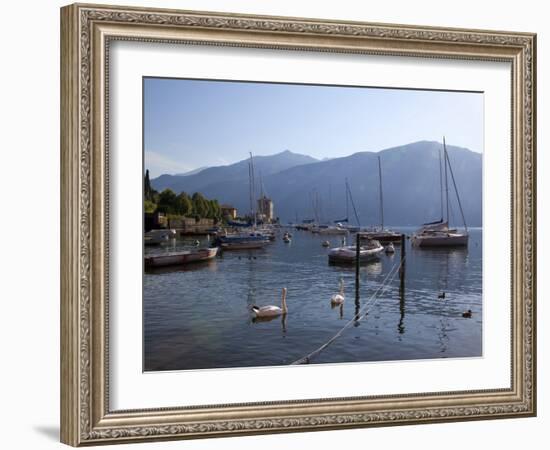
{"points": [[381, 234], [438, 233], [250, 238], [340, 228]]}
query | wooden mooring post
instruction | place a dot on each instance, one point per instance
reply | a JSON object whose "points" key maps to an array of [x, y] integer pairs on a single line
{"points": [[402, 262], [357, 261]]}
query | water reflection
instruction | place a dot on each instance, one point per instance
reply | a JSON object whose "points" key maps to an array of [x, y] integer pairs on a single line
{"points": [[401, 324], [373, 267], [198, 316], [281, 318]]}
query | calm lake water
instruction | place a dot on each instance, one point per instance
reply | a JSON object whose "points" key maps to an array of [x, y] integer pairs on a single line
{"points": [[198, 317]]}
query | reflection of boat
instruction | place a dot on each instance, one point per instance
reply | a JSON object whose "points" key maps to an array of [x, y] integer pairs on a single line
{"points": [[157, 237], [438, 233], [368, 252], [179, 258], [374, 268]]}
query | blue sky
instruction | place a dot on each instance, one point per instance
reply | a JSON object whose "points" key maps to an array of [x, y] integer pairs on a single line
{"points": [[195, 123]]}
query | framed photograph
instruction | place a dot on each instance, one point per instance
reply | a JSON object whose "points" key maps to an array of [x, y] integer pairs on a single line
{"points": [[276, 224]]}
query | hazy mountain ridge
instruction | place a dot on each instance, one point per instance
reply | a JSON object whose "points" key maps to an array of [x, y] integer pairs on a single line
{"points": [[411, 184], [263, 165]]}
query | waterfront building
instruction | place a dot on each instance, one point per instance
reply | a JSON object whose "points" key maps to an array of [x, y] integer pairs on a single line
{"points": [[265, 209], [229, 211]]}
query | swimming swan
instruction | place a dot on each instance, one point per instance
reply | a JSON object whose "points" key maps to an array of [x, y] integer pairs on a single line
{"points": [[271, 310], [338, 299]]}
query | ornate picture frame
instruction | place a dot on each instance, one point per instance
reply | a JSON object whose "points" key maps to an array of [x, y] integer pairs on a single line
{"points": [[86, 34]]}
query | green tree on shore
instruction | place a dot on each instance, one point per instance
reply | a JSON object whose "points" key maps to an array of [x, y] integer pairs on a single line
{"points": [[184, 204], [168, 202], [181, 204], [147, 190], [200, 205]]}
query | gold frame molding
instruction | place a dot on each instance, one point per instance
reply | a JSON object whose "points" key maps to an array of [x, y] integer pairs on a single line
{"points": [[86, 31]]}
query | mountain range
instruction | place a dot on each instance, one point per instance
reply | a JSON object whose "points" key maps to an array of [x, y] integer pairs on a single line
{"points": [[303, 187]]}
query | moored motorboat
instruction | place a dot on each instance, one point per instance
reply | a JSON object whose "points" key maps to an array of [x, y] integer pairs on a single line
{"points": [[180, 258], [348, 254]]}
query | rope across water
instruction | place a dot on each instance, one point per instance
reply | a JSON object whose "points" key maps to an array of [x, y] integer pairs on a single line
{"points": [[357, 317]]}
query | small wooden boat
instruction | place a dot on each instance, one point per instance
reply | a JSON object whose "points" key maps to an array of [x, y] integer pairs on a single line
{"points": [[180, 258], [389, 248]]}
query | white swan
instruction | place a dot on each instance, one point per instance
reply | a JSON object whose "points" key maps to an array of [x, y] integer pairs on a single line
{"points": [[338, 299], [271, 310]]}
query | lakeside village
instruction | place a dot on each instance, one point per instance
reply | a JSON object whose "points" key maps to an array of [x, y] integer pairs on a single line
{"points": [[178, 216]]}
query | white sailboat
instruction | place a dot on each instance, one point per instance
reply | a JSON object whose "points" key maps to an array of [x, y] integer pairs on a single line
{"points": [[381, 234], [438, 233]]}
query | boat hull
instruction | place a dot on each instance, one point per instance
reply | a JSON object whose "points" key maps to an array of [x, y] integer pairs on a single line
{"points": [[348, 255], [436, 240], [180, 258], [333, 231], [251, 245], [382, 236]]}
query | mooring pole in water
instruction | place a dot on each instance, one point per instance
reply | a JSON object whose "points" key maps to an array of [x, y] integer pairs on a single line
{"points": [[357, 252], [402, 264]]}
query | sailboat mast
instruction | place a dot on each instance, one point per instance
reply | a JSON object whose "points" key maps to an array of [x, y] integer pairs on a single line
{"points": [[261, 185], [252, 188], [446, 181], [441, 184], [347, 200], [456, 192], [353, 206], [380, 191], [330, 211]]}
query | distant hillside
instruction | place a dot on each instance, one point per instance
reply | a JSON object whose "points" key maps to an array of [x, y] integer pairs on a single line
{"points": [[191, 172], [410, 184], [237, 172]]}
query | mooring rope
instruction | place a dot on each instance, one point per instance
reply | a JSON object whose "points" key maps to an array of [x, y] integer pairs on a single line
{"points": [[356, 318]]}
